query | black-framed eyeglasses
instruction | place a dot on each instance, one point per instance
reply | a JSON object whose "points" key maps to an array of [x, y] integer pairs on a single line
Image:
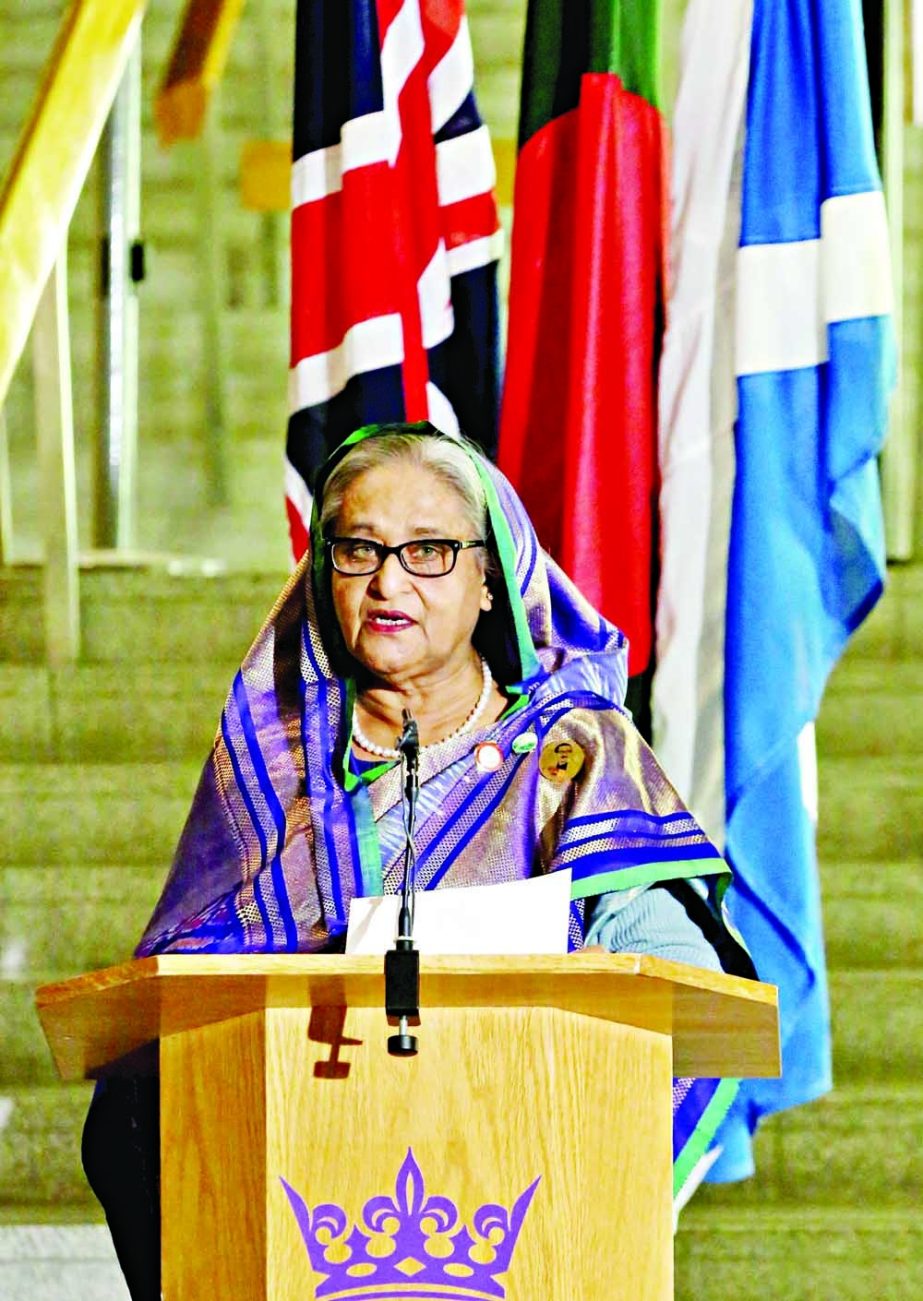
{"points": [[422, 557]]}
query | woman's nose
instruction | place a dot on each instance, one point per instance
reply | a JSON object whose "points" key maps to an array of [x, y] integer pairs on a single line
{"points": [[391, 577]]}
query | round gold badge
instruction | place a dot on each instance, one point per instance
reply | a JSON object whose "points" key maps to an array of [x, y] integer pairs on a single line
{"points": [[561, 761]]}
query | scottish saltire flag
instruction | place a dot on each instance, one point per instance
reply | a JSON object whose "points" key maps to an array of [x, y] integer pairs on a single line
{"points": [[578, 432], [778, 361], [395, 232]]}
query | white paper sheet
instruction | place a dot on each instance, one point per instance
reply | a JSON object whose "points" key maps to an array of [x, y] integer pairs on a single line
{"points": [[513, 917]]}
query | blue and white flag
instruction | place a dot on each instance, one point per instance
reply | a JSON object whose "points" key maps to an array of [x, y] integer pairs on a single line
{"points": [[778, 363]]}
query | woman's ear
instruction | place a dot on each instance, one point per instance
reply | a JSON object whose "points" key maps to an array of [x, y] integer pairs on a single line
{"points": [[487, 598]]}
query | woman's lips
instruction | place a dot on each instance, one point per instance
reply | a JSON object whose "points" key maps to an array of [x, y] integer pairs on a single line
{"points": [[388, 621]]}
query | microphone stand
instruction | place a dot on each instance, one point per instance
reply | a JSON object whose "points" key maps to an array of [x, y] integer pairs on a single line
{"points": [[402, 963]]}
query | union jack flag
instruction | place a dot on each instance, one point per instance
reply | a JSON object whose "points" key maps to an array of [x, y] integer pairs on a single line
{"points": [[395, 232]]}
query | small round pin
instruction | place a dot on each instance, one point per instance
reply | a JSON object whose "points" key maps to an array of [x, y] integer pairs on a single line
{"points": [[524, 743], [488, 756], [561, 761]]}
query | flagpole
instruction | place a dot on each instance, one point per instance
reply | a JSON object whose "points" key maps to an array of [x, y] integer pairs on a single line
{"points": [[270, 231], [117, 354], [898, 463]]}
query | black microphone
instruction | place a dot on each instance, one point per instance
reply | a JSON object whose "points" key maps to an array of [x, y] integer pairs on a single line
{"points": [[402, 963], [408, 743]]}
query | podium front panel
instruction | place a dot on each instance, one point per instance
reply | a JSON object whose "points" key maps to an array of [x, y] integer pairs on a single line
{"points": [[524, 1153]]}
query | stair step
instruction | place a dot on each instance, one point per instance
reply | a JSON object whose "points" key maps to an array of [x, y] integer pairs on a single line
{"points": [[870, 712], [870, 808], [877, 1025], [837, 1253], [873, 913], [59, 1262], [248, 534], [25, 713], [143, 615], [96, 813], [89, 714], [857, 1143], [57, 922], [40, 1148]]}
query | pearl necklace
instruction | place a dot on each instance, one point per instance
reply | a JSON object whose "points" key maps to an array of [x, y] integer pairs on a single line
{"points": [[384, 752]]}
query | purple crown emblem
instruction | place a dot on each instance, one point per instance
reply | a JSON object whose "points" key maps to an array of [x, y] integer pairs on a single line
{"points": [[410, 1245]]}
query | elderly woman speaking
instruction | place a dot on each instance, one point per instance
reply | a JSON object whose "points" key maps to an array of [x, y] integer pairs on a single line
{"points": [[426, 590]]}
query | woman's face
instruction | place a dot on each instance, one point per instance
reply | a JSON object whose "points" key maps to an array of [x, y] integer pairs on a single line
{"points": [[402, 628]]}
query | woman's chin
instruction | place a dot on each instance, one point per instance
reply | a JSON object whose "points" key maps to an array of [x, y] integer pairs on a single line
{"points": [[385, 657]]}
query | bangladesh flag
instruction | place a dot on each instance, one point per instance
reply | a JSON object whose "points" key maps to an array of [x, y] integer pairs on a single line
{"points": [[578, 432]]}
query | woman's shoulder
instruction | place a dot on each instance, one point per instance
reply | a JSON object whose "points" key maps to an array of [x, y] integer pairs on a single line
{"points": [[594, 746], [585, 717]]}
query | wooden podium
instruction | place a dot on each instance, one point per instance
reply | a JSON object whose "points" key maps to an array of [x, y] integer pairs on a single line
{"points": [[525, 1152]]}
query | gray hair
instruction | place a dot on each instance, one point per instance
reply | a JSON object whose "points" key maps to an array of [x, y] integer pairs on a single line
{"points": [[446, 458]]}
